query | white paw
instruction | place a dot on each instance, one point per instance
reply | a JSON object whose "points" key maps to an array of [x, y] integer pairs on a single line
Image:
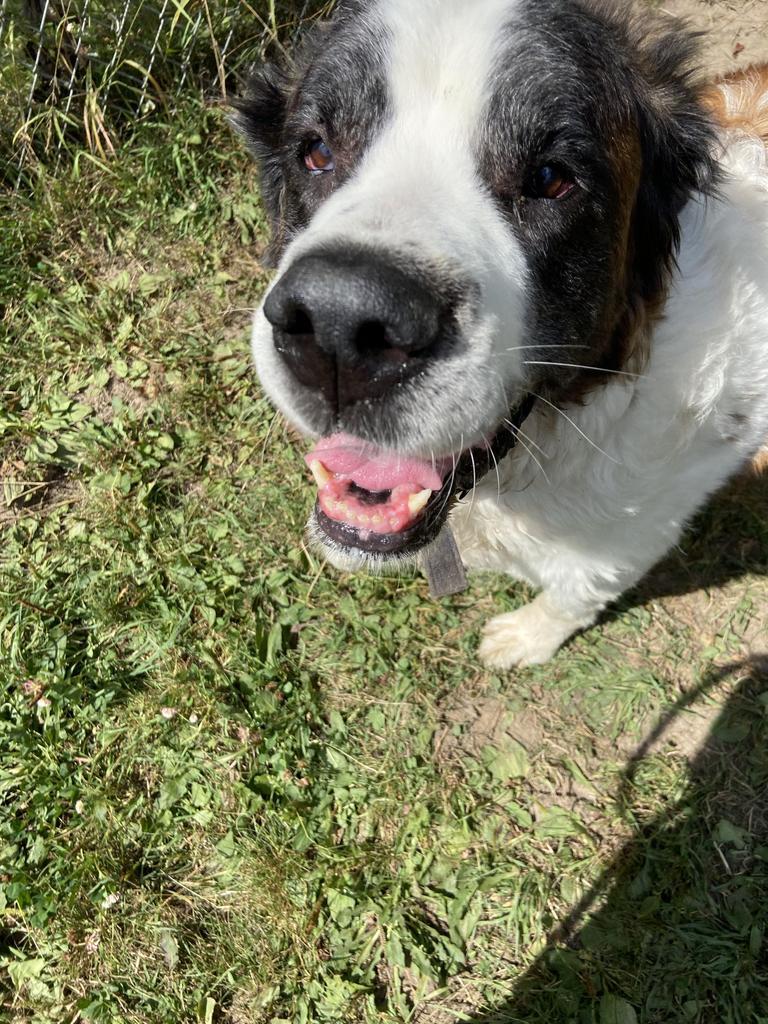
{"points": [[529, 636]]}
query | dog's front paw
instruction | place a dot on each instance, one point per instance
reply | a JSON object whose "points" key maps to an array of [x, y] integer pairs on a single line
{"points": [[529, 636]]}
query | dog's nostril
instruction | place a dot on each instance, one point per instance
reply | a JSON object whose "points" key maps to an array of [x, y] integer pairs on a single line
{"points": [[377, 344], [372, 338], [298, 323]]}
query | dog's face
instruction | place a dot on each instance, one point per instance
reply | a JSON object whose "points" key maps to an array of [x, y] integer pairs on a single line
{"points": [[471, 203]]}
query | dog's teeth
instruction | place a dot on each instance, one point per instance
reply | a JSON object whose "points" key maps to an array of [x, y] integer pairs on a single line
{"points": [[418, 502], [320, 473]]}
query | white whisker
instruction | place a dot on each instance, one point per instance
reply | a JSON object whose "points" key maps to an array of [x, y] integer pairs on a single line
{"points": [[508, 423], [474, 481], [449, 490], [578, 366], [576, 427], [543, 471], [496, 466], [521, 433]]}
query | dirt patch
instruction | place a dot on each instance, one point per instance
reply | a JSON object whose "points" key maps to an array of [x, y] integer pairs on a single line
{"points": [[468, 728], [735, 33], [754, 638], [684, 734], [458, 1006], [709, 597], [24, 491], [138, 398], [704, 618], [528, 744]]}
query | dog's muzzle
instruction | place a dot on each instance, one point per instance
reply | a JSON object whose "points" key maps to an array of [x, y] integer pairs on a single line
{"points": [[353, 326]]}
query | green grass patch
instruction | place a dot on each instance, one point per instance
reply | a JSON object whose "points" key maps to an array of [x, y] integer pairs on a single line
{"points": [[236, 787]]}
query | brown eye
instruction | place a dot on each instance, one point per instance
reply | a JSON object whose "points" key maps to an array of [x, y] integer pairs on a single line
{"points": [[318, 157], [551, 182]]}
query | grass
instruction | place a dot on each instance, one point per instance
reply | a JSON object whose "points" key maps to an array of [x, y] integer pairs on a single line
{"points": [[236, 787], [78, 76]]}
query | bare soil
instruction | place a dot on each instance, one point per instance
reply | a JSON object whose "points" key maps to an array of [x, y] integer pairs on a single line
{"points": [[735, 32]]}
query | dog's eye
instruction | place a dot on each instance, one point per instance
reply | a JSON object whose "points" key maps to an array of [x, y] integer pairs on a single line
{"points": [[551, 182], [318, 157]]}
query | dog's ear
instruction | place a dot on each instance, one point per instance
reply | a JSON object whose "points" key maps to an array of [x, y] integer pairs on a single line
{"points": [[678, 142], [259, 116]]}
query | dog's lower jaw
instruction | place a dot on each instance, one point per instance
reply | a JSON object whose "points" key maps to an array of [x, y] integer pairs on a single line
{"points": [[353, 560]]}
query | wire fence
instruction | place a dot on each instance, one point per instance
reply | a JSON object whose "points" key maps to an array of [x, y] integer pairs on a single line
{"points": [[82, 74]]}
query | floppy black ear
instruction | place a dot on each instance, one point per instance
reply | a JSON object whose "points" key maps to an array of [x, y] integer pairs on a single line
{"points": [[259, 116], [678, 142]]}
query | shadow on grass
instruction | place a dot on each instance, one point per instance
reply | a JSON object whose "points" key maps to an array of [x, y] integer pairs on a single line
{"points": [[676, 929], [728, 540]]}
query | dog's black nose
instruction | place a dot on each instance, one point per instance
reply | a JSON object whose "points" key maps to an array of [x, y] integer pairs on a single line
{"points": [[353, 325]]}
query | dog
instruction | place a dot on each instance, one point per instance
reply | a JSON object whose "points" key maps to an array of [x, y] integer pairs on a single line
{"points": [[521, 293]]}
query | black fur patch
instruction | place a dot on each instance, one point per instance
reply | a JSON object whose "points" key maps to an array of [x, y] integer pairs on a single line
{"points": [[609, 97], [335, 90]]}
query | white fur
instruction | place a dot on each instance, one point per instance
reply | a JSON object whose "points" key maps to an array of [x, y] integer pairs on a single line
{"points": [[668, 439], [417, 191]]}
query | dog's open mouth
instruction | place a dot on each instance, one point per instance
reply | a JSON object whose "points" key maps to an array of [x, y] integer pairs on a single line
{"points": [[377, 501], [381, 503]]}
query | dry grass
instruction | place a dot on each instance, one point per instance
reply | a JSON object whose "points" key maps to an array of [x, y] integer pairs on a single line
{"points": [[78, 76]]}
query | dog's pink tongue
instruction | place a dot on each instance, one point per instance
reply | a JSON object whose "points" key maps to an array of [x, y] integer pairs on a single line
{"points": [[373, 468]]}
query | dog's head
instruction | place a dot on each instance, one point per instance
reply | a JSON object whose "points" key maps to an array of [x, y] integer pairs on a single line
{"points": [[471, 202]]}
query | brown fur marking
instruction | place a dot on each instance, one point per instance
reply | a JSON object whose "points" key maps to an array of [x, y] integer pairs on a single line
{"points": [[629, 328], [739, 101]]}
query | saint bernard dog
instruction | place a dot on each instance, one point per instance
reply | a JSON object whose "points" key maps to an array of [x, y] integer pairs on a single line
{"points": [[521, 296]]}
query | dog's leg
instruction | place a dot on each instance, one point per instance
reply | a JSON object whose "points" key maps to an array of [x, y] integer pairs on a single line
{"points": [[574, 590], [576, 580], [532, 634], [581, 561]]}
